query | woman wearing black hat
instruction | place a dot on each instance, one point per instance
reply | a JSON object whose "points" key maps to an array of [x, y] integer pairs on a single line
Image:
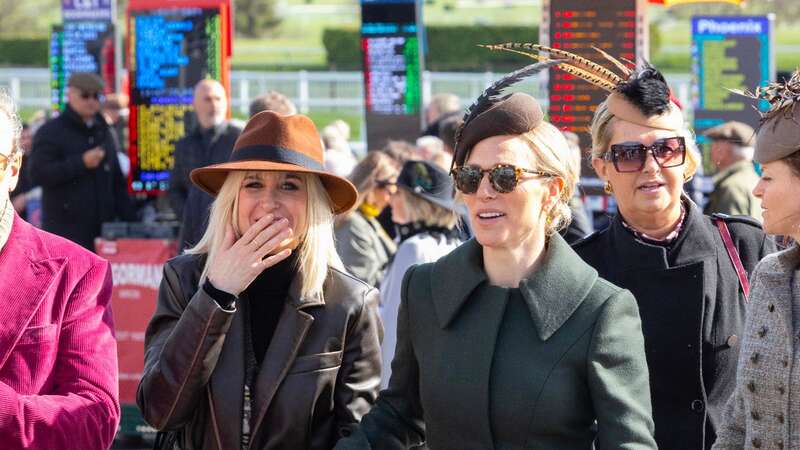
{"points": [[511, 341], [764, 411], [260, 340], [422, 210], [687, 271]]}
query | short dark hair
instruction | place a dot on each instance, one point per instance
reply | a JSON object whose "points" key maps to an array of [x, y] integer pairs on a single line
{"points": [[447, 130], [272, 101]]}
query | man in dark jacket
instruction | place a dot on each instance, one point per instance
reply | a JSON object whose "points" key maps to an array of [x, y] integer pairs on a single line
{"points": [[210, 142], [75, 162]]}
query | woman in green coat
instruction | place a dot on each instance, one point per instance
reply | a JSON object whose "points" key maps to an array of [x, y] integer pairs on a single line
{"points": [[511, 341]]}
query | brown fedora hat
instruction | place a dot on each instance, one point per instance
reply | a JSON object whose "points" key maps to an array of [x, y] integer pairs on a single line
{"points": [[277, 143]]}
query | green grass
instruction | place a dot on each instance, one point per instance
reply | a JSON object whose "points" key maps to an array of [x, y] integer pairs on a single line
{"points": [[297, 41]]}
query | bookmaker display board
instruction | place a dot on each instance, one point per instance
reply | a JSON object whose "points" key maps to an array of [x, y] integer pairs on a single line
{"points": [[729, 53], [172, 45], [392, 65], [618, 27], [85, 42]]}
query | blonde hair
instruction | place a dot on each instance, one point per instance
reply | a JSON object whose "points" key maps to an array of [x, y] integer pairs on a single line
{"points": [[317, 251], [602, 129], [429, 213], [552, 154], [9, 109]]}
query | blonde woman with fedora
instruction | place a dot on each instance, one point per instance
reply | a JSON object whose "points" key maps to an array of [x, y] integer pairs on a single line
{"points": [[260, 339]]}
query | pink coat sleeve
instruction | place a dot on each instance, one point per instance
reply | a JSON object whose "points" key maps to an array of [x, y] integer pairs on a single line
{"points": [[82, 408]]}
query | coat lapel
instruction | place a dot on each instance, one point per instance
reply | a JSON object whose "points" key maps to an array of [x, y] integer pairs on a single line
{"points": [[227, 383], [470, 312], [556, 289], [27, 274], [464, 264], [290, 333]]}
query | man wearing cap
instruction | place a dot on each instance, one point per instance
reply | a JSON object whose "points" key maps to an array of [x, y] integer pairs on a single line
{"points": [[732, 153], [209, 142], [75, 161]]}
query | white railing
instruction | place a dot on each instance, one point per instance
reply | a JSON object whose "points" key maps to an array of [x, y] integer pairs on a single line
{"points": [[30, 87]]}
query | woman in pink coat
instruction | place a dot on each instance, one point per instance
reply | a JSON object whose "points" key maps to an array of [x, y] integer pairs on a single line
{"points": [[58, 356]]}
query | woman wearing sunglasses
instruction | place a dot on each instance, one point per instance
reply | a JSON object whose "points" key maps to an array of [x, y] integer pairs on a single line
{"points": [[687, 271], [362, 243], [511, 341], [422, 211]]}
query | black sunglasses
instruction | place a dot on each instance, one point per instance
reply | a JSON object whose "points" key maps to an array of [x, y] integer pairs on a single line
{"points": [[504, 177], [88, 95], [631, 156], [383, 184]]}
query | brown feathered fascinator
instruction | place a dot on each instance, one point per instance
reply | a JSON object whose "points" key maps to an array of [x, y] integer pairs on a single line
{"points": [[638, 96], [495, 114], [779, 132]]}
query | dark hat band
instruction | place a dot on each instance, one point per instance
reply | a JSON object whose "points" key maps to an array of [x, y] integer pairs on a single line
{"points": [[274, 153]]}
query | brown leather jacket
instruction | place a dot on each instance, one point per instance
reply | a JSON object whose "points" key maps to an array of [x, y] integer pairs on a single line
{"points": [[320, 375]]}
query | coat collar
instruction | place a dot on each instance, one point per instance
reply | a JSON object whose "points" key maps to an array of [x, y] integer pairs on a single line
{"points": [[782, 265], [27, 271], [635, 254], [553, 292]]}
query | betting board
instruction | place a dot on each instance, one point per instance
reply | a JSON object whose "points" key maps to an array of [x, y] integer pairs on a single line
{"points": [[618, 27], [729, 53], [80, 46], [170, 50], [390, 44]]}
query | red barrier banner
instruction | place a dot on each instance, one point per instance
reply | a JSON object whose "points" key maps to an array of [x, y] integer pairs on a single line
{"points": [[137, 267]]}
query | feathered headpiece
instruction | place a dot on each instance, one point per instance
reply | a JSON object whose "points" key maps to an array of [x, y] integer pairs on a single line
{"points": [[779, 133], [493, 113], [642, 97]]}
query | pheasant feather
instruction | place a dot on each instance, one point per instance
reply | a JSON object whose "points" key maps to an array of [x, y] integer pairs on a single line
{"points": [[491, 94], [626, 71], [569, 58]]}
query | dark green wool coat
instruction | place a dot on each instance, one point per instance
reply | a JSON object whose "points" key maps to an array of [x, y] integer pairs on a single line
{"points": [[692, 311], [582, 361]]}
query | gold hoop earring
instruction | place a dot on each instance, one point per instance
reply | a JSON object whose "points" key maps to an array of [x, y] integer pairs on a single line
{"points": [[607, 188]]}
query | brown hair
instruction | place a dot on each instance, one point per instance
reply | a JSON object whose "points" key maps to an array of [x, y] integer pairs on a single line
{"points": [[272, 101], [793, 161], [375, 166]]}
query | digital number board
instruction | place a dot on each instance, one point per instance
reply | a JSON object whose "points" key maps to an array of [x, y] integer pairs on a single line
{"points": [[728, 53], [390, 45], [170, 51], [618, 27], [81, 46]]}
